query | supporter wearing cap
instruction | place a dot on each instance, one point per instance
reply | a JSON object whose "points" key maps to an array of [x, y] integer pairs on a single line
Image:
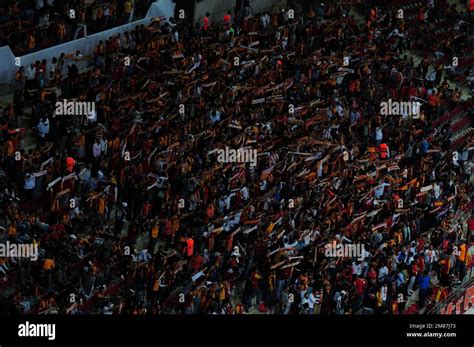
{"points": [[384, 151]]}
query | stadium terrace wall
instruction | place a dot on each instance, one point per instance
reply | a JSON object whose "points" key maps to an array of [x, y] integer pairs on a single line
{"points": [[86, 45]]}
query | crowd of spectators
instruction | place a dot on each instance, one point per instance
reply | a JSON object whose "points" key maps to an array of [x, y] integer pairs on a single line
{"points": [[134, 214]]}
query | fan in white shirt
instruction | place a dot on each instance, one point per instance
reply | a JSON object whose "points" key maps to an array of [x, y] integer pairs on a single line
{"points": [[313, 300]]}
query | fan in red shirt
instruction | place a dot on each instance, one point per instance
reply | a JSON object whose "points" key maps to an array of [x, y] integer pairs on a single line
{"points": [[227, 19], [196, 262], [206, 21], [360, 285], [372, 274], [420, 264]]}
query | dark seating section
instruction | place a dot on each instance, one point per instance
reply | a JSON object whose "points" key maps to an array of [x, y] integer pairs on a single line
{"points": [[31, 25]]}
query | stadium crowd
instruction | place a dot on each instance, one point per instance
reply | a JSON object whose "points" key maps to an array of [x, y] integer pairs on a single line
{"points": [[134, 214]]}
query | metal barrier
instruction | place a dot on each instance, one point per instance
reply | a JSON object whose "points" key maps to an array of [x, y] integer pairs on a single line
{"points": [[454, 295]]}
